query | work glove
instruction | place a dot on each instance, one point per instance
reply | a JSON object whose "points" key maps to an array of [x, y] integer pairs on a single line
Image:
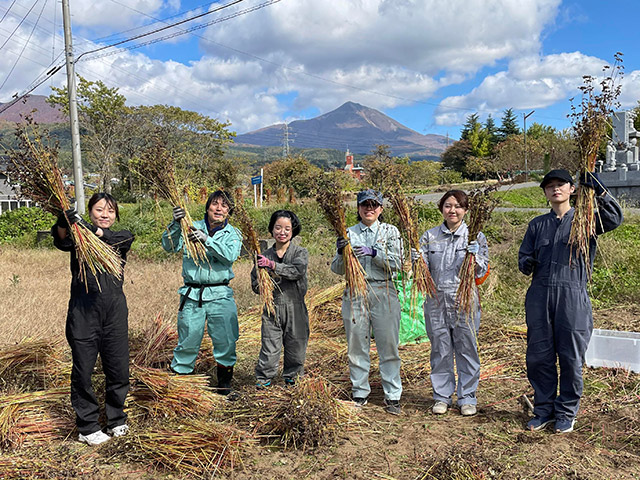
{"points": [[473, 248], [415, 255], [592, 180], [341, 242], [197, 235], [89, 226], [68, 218], [365, 251], [178, 214], [264, 262], [529, 265]]}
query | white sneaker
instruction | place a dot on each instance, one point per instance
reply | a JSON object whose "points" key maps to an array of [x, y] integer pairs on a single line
{"points": [[468, 410], [119, 431], [440, 408], [95, 438]]}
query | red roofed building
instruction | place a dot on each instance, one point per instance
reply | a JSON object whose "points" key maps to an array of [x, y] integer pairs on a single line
{"points": [[356, 171]]}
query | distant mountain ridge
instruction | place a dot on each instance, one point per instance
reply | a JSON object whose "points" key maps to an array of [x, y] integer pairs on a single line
{"points": [[351, 126], [44, 113]]}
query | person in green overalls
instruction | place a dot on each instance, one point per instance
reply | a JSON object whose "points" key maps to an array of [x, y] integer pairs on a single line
{"points": [[205, 297]]}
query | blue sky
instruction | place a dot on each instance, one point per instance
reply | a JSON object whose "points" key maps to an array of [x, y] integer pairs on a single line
{"points": [[426, 63]]}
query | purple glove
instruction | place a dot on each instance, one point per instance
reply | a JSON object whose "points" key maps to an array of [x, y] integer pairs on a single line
{"points": [[341, 242], [365, 251], [264, 262]]}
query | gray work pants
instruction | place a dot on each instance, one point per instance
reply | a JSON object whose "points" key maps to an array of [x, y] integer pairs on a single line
{"points": [[289, 327], [379, 312]]}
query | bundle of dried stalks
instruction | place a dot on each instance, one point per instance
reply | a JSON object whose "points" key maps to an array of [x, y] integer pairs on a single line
{"points": [[162, 394], [265, 282], [325, 317], [481, 205], [48, 462], [157, 166], [304, 416], [590, 123], [406, 210], [329, 197], [153, 346], [34, 417], [195, 448], [37, 363], [34, 166]]}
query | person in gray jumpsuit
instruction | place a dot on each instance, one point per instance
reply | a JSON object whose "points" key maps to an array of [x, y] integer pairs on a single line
{"points": [[450, 331], [289, 327], [557, 305], [378, 247]]}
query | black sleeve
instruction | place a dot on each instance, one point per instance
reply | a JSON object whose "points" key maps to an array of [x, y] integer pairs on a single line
{"points": [[609, 214], [65, 244]]}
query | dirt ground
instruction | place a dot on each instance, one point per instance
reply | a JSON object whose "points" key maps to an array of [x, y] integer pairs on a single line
{"points": [[373, 445]]}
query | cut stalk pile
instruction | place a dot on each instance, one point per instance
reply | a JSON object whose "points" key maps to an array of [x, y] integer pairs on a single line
{"points": [[157, 166], [34, 166], [481, 204], [591, 121], [265, 283], [330, 199]]}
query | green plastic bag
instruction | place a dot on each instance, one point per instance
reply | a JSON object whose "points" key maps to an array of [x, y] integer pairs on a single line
{"points": [[412, 329]]}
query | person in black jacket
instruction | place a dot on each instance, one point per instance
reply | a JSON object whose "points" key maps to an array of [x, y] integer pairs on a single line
{"points": [[97, 323]]}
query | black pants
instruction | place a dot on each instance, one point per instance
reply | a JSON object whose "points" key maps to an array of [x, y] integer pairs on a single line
{"points": [[97, 323]]}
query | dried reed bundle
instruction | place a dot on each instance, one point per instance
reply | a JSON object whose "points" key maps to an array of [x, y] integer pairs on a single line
{"points": [[329, 197], [37, 363], [481, 205], [406, 210], [153, 347], [34, 165], [265, 282], [157, 166], [44, 462], [196, 448], [161, 394], [590, 123], [34, 417], [304, 416]]}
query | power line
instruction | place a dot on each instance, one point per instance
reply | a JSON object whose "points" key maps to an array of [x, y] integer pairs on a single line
{"points": [[8, 10], [136, 37], [44, 4], [19, 24]]}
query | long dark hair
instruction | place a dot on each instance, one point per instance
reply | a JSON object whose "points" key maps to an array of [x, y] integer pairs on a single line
{"points": [[111, 201], [460, 197]]}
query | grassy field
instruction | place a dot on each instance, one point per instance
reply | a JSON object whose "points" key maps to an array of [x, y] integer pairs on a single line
{"points": [[372, 444]]}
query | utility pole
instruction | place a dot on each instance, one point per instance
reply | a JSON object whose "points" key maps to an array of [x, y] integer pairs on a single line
{"points": [[73, 110], [526, 168], [285, 142]]}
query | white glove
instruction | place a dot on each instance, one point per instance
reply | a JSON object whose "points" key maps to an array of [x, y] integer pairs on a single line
{"points": [[473, 248], [197, 236], [415, 255]]}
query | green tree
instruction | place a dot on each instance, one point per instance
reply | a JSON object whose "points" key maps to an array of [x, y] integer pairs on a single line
{"points": [[102, 115], [379, 164], [455, 156], [292, 172], [492, 132], [471, 124], [508, 126]]}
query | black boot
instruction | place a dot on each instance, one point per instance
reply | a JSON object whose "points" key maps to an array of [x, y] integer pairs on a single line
{"points": [[225, 374]]}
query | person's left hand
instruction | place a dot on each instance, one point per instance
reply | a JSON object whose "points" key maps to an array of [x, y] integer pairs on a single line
{"points": [[197, 235], [365, 251], [592, 180], [473, 248], [264, 262]]}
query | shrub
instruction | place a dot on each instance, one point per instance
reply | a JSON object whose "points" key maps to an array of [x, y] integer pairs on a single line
{"points": [[21, 225]]}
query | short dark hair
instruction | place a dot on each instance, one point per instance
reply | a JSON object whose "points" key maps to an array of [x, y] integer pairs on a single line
{"points": [[295, 222], [460, 197], [226, 198], [111, 201]]}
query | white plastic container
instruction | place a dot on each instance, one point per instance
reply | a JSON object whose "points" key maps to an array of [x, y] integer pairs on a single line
{"points": [[615, 349]]}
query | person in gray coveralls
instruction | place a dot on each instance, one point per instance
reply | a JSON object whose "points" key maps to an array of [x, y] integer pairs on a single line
{"points": [[289, 327]]}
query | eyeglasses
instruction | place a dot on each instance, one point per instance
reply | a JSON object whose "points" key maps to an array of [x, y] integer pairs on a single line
{"points": [[370, 204]]}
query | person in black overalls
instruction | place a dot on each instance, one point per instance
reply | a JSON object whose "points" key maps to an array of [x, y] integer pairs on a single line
{"points": [[558, 309], [97, 322]]}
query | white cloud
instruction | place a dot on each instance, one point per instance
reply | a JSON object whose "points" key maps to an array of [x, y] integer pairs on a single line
{"points": [[531, 82]]}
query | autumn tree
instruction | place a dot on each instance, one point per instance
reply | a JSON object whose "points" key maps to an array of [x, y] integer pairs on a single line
{"points": [[292, 172]]}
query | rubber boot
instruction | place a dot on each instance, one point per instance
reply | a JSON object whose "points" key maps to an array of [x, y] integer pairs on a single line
{"points": [[225, 374]]}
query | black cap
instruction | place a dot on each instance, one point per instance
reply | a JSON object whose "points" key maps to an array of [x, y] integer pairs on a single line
{"points": [[559, 174]]}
